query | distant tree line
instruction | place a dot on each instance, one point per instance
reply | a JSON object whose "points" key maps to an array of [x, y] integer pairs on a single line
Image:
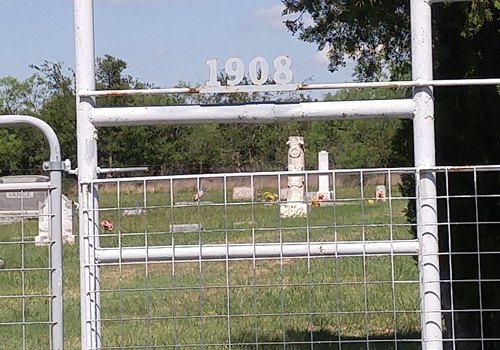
{"points": [[49, 94]]}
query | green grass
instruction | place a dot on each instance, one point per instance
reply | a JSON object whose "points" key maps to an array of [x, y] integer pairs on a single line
{"points": [[271, 302]]}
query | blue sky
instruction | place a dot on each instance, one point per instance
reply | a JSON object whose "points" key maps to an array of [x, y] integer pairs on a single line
{"points": [[163, 41]]}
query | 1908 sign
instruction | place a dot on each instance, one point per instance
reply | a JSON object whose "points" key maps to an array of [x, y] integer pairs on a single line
{"points": [[258, 71]]}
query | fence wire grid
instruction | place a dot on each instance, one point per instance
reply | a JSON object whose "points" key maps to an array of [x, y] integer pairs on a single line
{"points": [[208, 261], [25, 286]]}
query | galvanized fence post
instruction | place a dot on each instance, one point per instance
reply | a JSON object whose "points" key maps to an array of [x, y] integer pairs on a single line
{"points": [[424, 150], [87, 170]]}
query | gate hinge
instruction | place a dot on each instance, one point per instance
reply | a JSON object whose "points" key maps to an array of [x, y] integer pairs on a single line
{"points": [[65, 165]]}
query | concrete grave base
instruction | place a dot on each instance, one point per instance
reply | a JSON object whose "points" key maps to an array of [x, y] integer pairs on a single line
{"points": [[294, 210], [185, 228]]}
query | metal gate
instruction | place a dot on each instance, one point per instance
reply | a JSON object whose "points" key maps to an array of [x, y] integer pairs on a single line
{"points": [[162, 269], [226, 272], [31, 276]]}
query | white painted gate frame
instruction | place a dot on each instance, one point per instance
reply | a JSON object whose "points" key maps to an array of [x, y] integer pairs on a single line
{"points": [[420, 109], [55, 166]]}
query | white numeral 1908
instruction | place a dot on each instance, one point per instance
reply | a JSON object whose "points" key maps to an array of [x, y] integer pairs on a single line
{"points": [[258, 71]]}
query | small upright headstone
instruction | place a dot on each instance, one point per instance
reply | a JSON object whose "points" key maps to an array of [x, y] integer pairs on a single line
{"points": [[380, 193], [323, 180], [295, 205], [44, 237]]}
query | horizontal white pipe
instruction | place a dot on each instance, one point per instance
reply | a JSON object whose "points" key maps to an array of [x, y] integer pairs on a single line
{"points": [[292, 87], [283, 174], [121, 170], [277, 174], [248, 251], [25, 186], [395, 84], [253, 113]]}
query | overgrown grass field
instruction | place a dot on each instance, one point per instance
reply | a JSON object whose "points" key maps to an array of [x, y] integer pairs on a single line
{"points": [[303, 303]]}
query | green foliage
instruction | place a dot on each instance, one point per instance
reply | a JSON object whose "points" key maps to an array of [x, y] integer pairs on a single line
{"points": [[365, 143], [48, 94], [481, 12], [19, 146], [466, 45], [17, 97], [51, 80], [375, 33], [178, 149]]}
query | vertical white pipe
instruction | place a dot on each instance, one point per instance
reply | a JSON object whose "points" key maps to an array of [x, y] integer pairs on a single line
{"points": [[87, 170], [424, 150]]}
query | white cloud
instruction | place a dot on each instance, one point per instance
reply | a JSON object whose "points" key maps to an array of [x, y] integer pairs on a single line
{"points": [[269, 12], [272, 16], [321, 57]]}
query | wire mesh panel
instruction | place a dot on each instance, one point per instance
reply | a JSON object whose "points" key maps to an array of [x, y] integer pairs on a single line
{"points": [[211, 262], [469, 210], [26, 294]]}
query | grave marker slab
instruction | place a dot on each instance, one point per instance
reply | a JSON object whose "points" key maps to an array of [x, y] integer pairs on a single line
{"points": [[22, 202], [323, 180], [185, 228], [44, 237], [242, 192]]}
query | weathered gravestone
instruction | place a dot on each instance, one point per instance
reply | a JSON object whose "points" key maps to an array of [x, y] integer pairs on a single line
{"points": [[323, 180], [242, 192], [44, 216], [22, 204], [295, 205], [175, 228], [380, 193]]}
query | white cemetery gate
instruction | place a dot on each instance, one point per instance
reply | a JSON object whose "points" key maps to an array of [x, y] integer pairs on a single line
{"points": [[240, 274], [31, 299]]}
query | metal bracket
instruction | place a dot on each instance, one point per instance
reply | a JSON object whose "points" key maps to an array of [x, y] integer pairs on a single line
{"points": [[57, 166]]}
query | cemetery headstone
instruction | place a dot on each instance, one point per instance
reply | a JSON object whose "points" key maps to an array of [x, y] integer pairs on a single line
{"points": [[380, 193], [138, 210], [242, 193], [295, 205], [21, 202], [323, 180], [44, 215], [185, 228]]}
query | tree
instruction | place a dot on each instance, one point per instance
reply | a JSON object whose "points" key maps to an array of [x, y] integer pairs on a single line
{"points": [[127, 145], [18, 97], [58, 104], [375, 33], [19, 147], [362, 143], [466, 45], [47, 94]]}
